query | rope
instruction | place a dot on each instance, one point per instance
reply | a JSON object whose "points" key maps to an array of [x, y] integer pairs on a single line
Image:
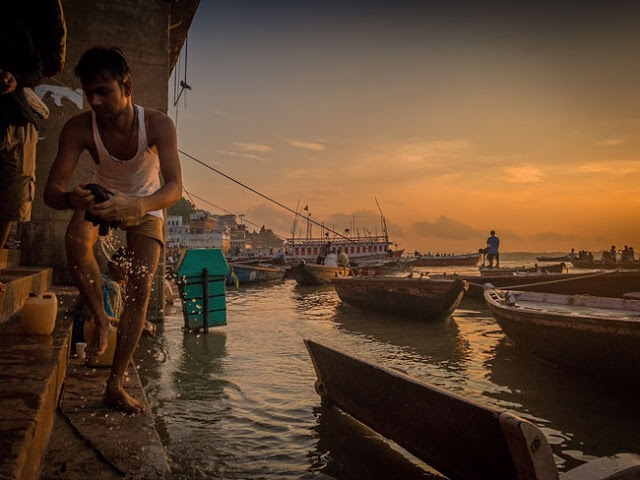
{"points": [[262, 195]]}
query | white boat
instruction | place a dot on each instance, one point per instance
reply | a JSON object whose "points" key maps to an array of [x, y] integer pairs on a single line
{"points": [[355, 245], [599, 336]]}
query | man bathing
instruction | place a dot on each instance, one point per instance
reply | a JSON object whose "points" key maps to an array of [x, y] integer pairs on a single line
{"points": [[131, 145]]}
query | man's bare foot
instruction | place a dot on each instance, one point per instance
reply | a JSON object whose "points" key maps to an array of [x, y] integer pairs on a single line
{"points": [[122, 400], [99, 341], [2, 287]]}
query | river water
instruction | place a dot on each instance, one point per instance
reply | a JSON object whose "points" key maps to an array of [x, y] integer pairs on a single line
{"points": [[239, 403]]}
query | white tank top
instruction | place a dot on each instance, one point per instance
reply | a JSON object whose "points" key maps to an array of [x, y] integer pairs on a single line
{"points": [[139, 176]]}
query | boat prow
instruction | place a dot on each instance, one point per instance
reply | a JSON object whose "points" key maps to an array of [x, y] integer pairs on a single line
{"points": [[458, 437]]}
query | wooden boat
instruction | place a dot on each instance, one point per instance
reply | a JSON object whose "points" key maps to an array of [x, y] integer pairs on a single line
{"points": [[602, 284], [599, 336], [604, 265], [422, 297], [458, 260], [458, 437], [313, 274], [563, 258], [501, 271], [247, 273]]}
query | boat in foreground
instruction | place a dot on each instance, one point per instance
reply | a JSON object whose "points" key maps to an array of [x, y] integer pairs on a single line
{"points": [[314, 274], [599, 336], [420, 297], [457, 260], [456, 436]]}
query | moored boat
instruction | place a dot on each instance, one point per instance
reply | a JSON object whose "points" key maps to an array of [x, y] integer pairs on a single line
{"points": [[456, 260], [606, 265], [599, 336], [603, 284], [501, 271], [247, 273], [455, 435], [563, 258], [421, 297], [313, 274]]}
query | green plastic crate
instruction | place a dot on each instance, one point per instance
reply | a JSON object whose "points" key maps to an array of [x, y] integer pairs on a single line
{"points": [[190, 284]]}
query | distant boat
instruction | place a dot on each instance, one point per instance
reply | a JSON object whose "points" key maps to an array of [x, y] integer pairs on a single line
{"points": [[456, 260], [605, 265], [599, 336], [420, 297], [313, 274], [564, 258], [509, 271], [247, 273], [602, 284]]}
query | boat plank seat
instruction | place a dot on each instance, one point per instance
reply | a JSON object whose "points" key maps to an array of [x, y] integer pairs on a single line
{"points": [[457, 436]]}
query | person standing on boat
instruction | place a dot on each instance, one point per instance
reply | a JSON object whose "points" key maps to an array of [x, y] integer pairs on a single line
{"points": [[493, 243], [145, 140]]}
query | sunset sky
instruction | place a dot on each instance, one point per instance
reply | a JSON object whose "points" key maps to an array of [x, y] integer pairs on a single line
{"points": [[458, 117]]}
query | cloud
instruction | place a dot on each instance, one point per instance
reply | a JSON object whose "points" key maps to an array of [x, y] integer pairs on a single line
{"points": [[254, 157], [618, 167], [445, 227], [316, 147], [546, 237], [525, 173], [610, 142], [252, 147], [275, 218]]}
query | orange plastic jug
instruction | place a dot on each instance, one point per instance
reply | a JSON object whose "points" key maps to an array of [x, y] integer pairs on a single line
{"points": [[106, 359], [39, 313]]}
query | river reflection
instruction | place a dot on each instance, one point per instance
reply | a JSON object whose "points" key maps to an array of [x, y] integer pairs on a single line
{"points": [[240, 402]]}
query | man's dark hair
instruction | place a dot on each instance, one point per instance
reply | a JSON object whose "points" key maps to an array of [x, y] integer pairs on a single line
{"points": [[101, 60]]}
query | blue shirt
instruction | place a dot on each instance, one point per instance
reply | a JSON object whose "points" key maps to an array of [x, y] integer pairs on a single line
{"points": [[493, 243]]}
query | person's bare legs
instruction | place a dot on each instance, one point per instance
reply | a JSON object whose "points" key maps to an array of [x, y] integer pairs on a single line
{"points": [[145, 253], [80, 239]]}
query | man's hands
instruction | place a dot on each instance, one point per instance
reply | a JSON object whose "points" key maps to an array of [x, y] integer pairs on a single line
{"points": [[118, 207], [8, 82]]}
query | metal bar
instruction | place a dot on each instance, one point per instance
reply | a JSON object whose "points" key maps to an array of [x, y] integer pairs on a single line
{"points": [[205, 300]]}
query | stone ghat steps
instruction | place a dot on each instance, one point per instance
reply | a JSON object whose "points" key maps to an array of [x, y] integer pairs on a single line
{"points": [[32, 371], [19, 282]]}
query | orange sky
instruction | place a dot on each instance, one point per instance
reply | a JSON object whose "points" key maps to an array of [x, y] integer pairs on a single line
{"points": [[458, 120]]}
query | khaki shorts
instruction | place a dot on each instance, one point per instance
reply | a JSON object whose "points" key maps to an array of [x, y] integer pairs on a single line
{"points": [[17, 172], [147, 226]]}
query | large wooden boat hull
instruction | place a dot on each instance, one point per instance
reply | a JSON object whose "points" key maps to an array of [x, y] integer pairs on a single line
{"points": [[254, 274], [599, 336], [456, 436], [463, 260], [311, 274], [599, 264], [601, 284], [420, 297]]}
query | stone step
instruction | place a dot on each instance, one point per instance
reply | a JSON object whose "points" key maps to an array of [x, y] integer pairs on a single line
{"points": [[19, 282], [32, 370], [9, 258]]}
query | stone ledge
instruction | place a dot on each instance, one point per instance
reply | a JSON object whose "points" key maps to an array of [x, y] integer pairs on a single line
{"points": [[19, 282], [120, 445], [32, 369]]}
